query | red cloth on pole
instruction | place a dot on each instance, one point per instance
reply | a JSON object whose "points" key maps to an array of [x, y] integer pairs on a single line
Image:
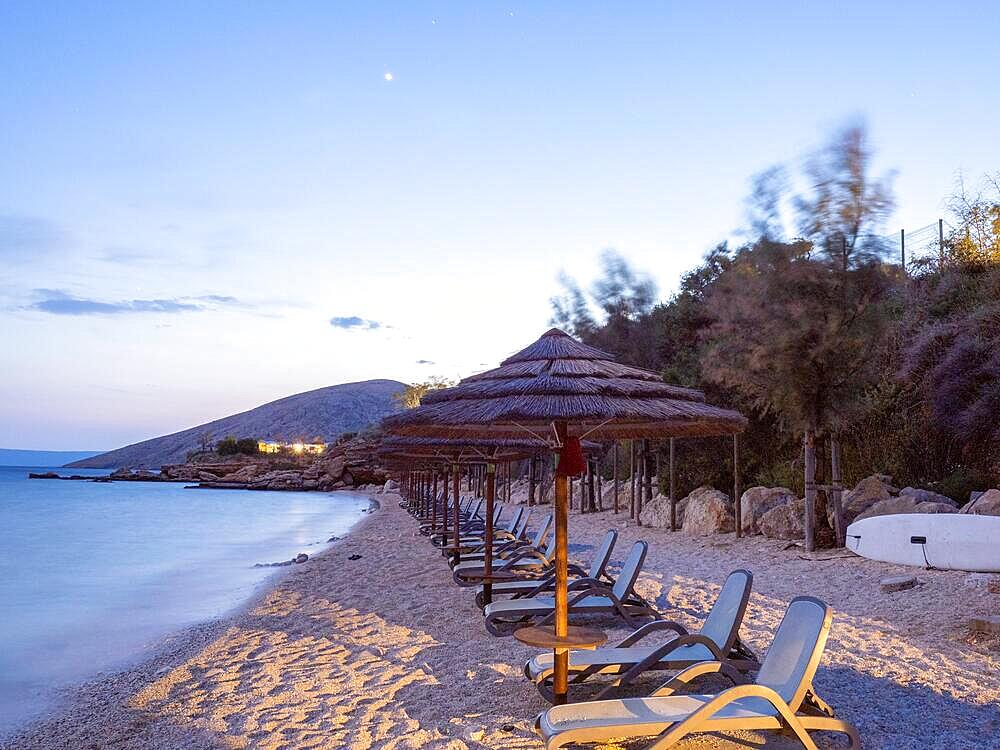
{"points": [[571, 460]]}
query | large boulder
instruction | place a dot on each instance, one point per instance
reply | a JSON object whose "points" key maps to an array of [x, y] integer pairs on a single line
{"points": [[656, 512], [987, 504], [336, 467], [926, 496], [932, 507], [244, 474], [756, 501], [866, 493], [708, 511], [784, 521]]}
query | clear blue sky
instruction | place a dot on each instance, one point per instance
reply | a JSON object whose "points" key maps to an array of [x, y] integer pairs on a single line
{"points": [[191, 192]]}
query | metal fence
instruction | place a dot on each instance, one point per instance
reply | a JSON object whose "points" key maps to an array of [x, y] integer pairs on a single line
{"points": [[918, 249]]}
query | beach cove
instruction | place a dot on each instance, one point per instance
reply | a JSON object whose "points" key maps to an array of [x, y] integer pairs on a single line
{"points": [[370, 645], [97, 575]]}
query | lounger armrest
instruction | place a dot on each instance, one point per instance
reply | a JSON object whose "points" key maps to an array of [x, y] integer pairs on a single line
{"points": [[686, 676], [583, 593], [649, 628], [545, 584], [522, 554], [592, 591], [530, 553], [696, 720], [580, 583]]}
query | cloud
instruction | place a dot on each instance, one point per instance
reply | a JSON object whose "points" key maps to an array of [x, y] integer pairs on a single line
{"points": [[58, 302], [425, 362], [26, 237], [355, 323]]}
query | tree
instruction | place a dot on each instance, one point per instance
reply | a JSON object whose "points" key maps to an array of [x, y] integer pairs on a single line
{"points": [[571, 311], [844, 204], [975, 243], [795, 324], [205, 441], [409, 397], [227, 446], [621, 297], [247, 446]]}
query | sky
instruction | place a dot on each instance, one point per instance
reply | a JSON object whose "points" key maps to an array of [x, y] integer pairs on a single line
{"points": [[207, 206]]}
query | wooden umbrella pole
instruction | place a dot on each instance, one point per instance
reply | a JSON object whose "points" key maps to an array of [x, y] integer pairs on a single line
{"points": [[673, 496], [456, 482], [737, 495], [444, 495], [561, 656], [434, 503], [491, 487], [614, 479]]}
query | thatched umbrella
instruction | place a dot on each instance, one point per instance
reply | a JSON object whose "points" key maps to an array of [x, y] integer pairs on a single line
{"points": [[457, 452], [559, 390]]}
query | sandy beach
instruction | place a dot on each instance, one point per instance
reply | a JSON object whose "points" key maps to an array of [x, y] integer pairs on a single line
{"points": [[384, 651]]}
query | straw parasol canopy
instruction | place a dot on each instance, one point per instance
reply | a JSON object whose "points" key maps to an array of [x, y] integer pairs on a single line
{"points": [[458, 450], [559, 379], [428, 450], [560, 390]]}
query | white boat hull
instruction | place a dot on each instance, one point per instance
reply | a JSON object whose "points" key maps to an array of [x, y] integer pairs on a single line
{"points": [[946, 541]]}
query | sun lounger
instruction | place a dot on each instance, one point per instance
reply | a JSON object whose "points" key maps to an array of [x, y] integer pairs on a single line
{"points": [[511, 559], [503, 539], [544, 584], [590, 599], [781, 697], [717, 640], [428, 529], [471, 531]]}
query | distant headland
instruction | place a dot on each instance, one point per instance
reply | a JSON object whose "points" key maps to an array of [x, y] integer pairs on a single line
{"points": [[321, 415]]}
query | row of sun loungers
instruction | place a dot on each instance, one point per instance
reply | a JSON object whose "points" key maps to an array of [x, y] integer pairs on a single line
{"points": [[775, 693]]}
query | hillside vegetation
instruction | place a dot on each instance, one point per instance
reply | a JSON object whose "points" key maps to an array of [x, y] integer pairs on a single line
{"points": [[325, 412]]}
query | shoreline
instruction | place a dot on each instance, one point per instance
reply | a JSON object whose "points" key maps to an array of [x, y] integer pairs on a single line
{"points": [[171, 644], [385, 651]]}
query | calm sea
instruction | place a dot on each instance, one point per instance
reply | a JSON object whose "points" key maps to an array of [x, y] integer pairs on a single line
{"points": [[93, 576]]}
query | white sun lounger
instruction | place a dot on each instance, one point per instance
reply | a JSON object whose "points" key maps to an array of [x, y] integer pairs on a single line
{"points": [[543, 584], [781, 698], [591, 600], [718, 640]]}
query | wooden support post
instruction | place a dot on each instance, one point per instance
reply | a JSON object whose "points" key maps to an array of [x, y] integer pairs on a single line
{"points": [[836, 494], [646, 490], [531, 481], [456, 481], [591, 489], [434, 503], [810, 519], [491, 486], [444, 492], [560, 677], [600, 487], [673, 496], [737, 497], [614, 478], [902, 249], [631, 478]]}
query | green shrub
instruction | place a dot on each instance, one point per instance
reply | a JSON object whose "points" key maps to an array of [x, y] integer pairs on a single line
{"points": [[228, 446]]}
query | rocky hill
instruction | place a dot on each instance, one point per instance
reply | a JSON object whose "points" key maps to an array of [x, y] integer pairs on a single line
{"points": [[326, 412]]}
